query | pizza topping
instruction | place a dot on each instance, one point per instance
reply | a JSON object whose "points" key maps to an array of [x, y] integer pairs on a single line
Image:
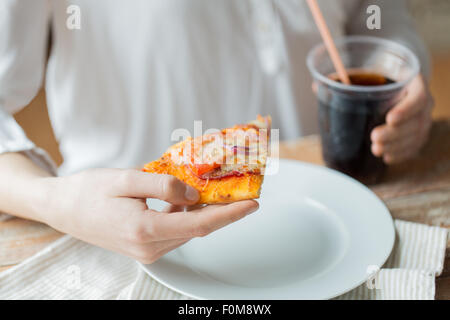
{"points": [[228, 171], [201, 169], [230, 152]]}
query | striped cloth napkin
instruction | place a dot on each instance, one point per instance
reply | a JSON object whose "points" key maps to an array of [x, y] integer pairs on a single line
{"points": [[72, 269]]}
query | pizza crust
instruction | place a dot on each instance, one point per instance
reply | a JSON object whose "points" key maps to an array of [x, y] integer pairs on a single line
{"points": [[212, 191]]}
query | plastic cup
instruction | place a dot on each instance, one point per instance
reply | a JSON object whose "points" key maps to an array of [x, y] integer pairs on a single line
{"points": [[349, 113]]}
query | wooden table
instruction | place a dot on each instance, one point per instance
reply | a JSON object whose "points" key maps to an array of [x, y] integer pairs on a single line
{"points": [[416, 191]]}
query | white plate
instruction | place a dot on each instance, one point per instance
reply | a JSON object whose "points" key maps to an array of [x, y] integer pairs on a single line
{"points": [[314, 236]]}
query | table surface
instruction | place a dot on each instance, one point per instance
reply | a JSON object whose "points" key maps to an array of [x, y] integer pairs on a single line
{"points": [[418, 191]]}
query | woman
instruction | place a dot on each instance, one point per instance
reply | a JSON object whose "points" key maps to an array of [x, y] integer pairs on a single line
{"points": [[135, 71]]}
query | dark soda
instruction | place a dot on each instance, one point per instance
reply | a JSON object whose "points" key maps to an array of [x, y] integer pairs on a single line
{"points": [[346, 122]]}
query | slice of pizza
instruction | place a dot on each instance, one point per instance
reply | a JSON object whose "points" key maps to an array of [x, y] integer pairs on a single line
{"points": [[224, 166]]}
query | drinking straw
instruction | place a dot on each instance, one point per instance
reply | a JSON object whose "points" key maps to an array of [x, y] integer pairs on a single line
{"points": [[328, 40]]}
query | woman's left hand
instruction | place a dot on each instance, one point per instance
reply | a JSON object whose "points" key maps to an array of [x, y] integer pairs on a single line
{"points": [[407, 125]]}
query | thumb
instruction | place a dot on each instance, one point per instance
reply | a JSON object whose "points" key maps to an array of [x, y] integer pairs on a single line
{"points": [[139, 184]]}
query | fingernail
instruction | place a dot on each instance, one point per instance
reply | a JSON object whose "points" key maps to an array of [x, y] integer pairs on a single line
{"points": [[191, 194], [253, 210]]}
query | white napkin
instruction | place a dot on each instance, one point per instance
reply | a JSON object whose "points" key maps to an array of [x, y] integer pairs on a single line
{"points": [[72, 269], [409, 274]]}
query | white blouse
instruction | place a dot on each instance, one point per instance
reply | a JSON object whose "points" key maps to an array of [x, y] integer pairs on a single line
{"points": [[138, 69]]}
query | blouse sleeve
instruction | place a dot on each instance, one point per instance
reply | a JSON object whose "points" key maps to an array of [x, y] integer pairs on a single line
{"points": [[23, 43]]}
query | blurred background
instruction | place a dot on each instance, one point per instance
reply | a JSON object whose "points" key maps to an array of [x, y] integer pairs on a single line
{"points": [[433, 22]]}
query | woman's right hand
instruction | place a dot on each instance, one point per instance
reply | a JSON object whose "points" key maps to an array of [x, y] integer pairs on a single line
{"points": [[107, 207]]}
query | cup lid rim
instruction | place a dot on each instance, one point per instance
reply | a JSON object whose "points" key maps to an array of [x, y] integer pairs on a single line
{"points": [[359, 88]]}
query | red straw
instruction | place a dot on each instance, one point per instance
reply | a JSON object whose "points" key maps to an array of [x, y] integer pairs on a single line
{"points": [[328, 40]]}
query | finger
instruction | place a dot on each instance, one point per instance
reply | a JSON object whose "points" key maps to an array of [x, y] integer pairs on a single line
{"points": [[195, 207], [399, 149], [151, 252], [416, 99], [405, 150], [387, 133], [398, 157], [175, 208], [387, 138], [199, 222], [398, 146], [137, 184], [171, 247]]}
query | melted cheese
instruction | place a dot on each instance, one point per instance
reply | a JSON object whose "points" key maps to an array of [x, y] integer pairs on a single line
{"points": [[240, 149]]}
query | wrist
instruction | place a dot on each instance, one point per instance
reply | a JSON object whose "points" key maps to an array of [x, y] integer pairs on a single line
{"points": [[40, 199], [25, 188]]}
